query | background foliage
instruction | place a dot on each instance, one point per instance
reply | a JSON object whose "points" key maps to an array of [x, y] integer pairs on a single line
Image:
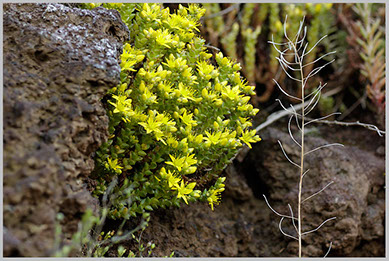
{"points": [[355, 31]]}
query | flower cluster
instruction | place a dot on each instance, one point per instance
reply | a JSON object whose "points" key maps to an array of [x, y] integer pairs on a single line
{"points": [[176, 119]]}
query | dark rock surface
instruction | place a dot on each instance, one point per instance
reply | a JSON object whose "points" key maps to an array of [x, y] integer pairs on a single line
{"points": [[58, 64], [356, 197], [243, 225]]}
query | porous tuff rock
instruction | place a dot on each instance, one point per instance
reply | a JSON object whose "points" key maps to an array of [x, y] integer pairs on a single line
{"points": [[58, 64]]}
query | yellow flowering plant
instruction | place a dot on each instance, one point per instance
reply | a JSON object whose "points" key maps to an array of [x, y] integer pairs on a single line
{"points": [[177, 118]]}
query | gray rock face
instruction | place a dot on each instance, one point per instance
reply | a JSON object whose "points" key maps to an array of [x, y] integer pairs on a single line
{"points": [[58, 64]]}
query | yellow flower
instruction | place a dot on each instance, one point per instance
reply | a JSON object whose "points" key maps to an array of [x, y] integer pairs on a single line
{"points": [[212, 138], [171, 178], [214, 198], [187, 119], [178, 163], [183, 163], [249, 137], [113, 164], [122, 105], [183, 190]]}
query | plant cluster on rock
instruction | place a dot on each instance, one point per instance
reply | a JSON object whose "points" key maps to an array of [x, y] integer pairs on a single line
{"points": [[177, 118]]}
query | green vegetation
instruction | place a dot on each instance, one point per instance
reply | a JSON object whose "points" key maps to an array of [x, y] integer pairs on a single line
{"points": [[242, 32], [92, 239], [176, 119], [372, 52]]}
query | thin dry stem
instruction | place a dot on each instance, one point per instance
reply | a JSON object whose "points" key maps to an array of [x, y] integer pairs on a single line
{"points": [[286, 155], [324, 117], [290, 131], [328, 250], [291, 213], [306, 172], [324, 146], [308, 103], [316, 229], [302, 154], [311, 196], [281, 215], [285, 234]]}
